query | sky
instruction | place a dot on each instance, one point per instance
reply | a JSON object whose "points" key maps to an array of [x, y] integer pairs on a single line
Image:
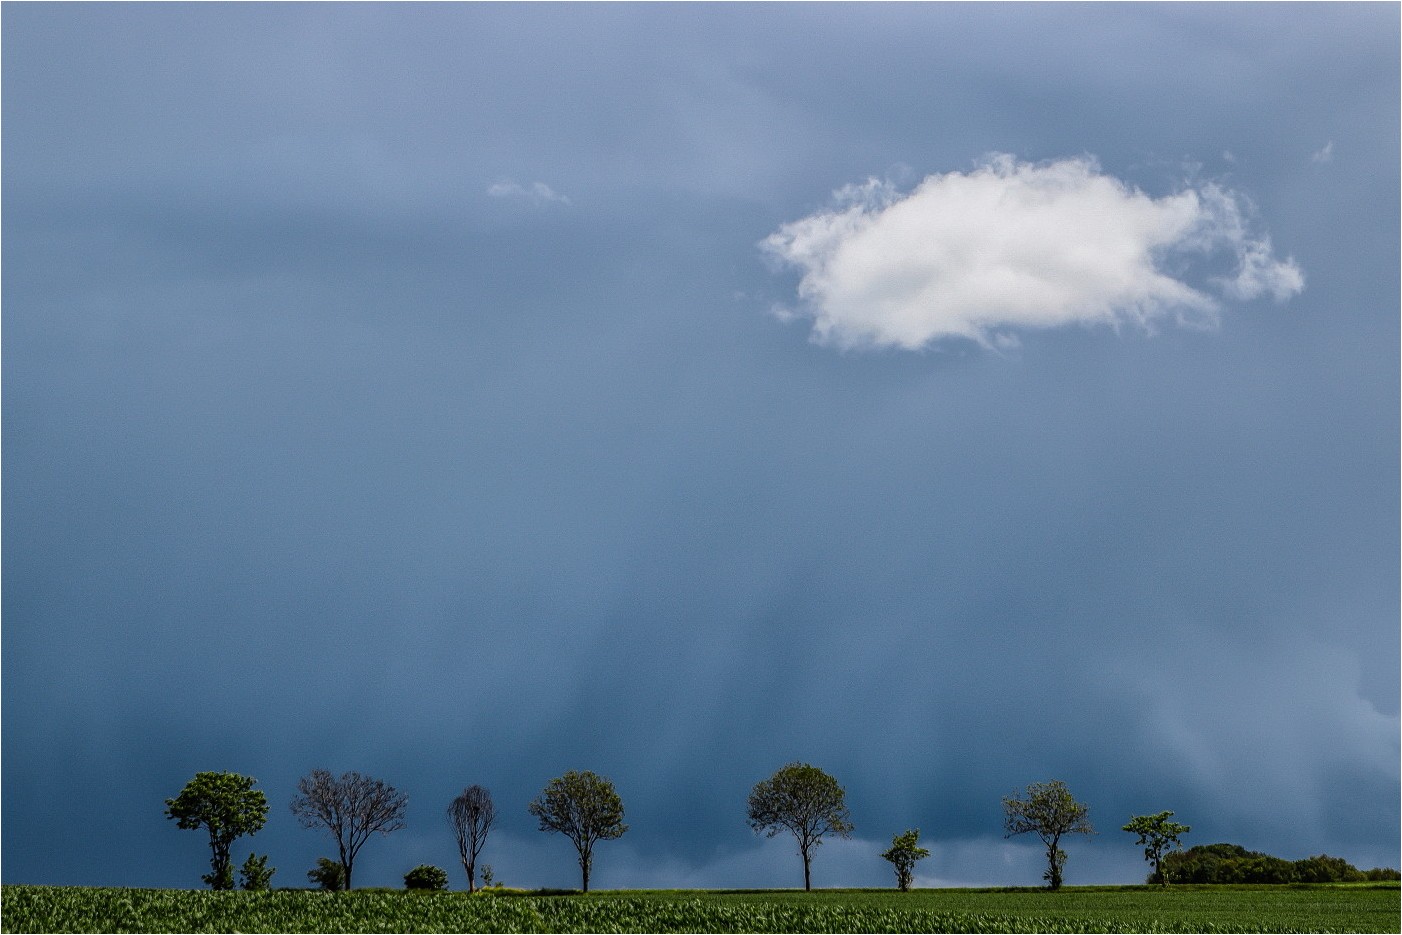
{"points": [[953, 397]]}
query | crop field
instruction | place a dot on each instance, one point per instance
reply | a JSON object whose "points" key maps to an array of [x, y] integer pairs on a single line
{"points": [[1323, 908]]}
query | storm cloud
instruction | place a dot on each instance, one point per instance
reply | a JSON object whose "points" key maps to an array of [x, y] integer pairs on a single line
{"points": [[334, 437]]}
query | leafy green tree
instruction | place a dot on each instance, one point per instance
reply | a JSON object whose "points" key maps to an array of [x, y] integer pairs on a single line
{"points": [[584, 808], [229, 807], [1158, 835], [1049, 811], [255, 874], [471, 814], [426, 877], [328, 874], [804, 801], [904, 853], [350, 808]]}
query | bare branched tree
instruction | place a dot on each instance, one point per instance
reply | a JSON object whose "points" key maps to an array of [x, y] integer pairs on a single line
{"points": [[351, 808], [471, 814]]}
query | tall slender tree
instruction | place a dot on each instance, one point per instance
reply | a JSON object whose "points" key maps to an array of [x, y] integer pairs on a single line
{"points": [[806, 802], [1049, 811], [350, 808], [1158, 835], [904, 853], [471, 814]]}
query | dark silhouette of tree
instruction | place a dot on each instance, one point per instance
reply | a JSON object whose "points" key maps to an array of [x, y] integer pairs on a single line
{"points": [[350, 808], [1157, 834], [584, 808], [227, 805], [1048, 811], [471, 814], [328, 874], [1232, 863], [426, 877], [804, 801]]}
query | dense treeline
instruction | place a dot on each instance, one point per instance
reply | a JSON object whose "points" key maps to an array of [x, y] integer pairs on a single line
{"points": [[1232, 863]]}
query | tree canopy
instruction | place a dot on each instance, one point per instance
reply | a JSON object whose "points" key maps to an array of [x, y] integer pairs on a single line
{"points": [[585, 808], [229, 807], [350, 808], [903, 854], [1232, 863], [1049, 811], [1157, 835], [471, 814], [806, 802]]}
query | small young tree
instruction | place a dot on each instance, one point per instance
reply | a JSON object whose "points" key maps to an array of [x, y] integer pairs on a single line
{"points": [[328, 874], [426, 877], [584, 808], [471, 814], [1048, 811], [255, 874], [806, 802], [1158, 835], [227, 805], [903, 855], [350, 808]]}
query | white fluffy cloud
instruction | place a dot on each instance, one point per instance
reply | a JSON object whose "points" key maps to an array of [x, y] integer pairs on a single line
{"points": [[1014, 245]]}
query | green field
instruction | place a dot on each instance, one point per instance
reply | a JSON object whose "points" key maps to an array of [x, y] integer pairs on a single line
{"points": [[1295, 908]]}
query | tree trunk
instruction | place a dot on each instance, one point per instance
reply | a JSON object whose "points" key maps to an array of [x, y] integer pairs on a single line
{"points": [[807, 875], [471, 868], [219, 866]]}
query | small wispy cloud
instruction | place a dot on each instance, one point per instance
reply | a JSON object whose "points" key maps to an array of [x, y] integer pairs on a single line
{"points": [[1014, 245], [1324, 155], [537, 193]]}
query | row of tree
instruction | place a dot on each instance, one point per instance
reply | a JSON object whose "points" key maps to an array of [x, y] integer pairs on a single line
{"points": [[799, 799]]}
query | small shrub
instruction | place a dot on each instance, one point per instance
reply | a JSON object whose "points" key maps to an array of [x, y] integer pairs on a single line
{"points": [[903, 854], [255, 874], [328, 874], [426, 877]]}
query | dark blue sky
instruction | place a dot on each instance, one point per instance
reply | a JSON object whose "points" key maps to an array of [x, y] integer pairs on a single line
{"points": [[954, 397]]}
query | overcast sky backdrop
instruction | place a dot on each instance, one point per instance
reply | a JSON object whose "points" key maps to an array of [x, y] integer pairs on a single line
{"points": [[953, 397]]}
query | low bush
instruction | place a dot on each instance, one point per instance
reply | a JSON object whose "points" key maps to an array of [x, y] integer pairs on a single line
{"points": [[255, 874], [426, 877], [328, 874]]}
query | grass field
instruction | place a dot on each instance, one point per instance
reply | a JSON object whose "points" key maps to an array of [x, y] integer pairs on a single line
{"points": [[1348, 908]]}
